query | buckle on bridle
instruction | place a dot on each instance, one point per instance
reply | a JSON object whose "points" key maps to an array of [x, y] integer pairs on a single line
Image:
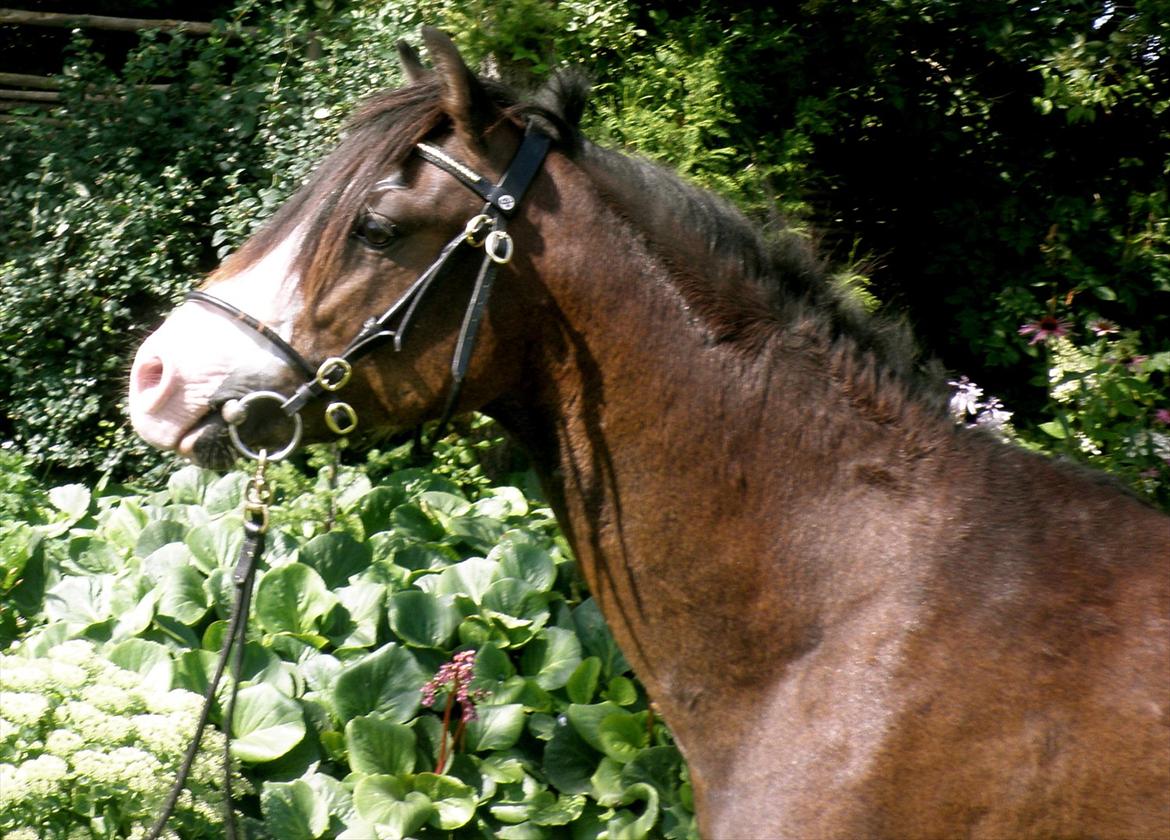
{"points": [[474, 230], [340, 418], [334, 373], [498, 246]]}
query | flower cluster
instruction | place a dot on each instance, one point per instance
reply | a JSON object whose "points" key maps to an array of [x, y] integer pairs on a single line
{"points": [[87, 746], [455, 677]]}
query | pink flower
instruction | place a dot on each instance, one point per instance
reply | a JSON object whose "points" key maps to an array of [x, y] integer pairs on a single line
{"points": [[455, 677], [1048, 326], [1162, 415], [1103, 327]]}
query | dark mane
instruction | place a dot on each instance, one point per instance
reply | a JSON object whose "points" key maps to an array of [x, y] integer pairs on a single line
{"points": [[778, 282], [382, 132], [756, 286]]}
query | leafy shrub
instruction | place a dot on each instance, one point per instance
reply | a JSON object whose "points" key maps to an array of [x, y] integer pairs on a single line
{"points": [[369, 590], [149, 173], [1105, 401]]}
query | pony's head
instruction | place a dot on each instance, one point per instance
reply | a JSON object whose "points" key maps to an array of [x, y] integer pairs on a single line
{"points": [[380, 261]]}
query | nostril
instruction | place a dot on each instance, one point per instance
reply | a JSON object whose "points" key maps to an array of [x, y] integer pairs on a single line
{"points": [[149, 374], [148, 380]]}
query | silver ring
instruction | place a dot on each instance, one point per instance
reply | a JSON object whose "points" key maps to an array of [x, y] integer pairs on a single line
{"points": [[493, 243], [241, 413]]}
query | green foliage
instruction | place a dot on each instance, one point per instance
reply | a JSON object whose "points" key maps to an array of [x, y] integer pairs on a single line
{"points": [[1107, 409], [368, 589], [993, 158]]}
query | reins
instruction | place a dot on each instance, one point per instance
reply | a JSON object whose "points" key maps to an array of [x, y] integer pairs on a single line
{"points": [[487, 230], [256, 502]]}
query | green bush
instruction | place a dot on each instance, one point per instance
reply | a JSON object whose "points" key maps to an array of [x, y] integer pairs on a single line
{"points": [[984, 167], [368, 591], [146, 176]]}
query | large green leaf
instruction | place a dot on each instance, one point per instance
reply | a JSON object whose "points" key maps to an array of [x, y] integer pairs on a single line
{"points": [[495, 727], [501, 503], [188, 484], [376, 745], [411, 521], [569, 761], [182, 595], [422, 619], [514, 597], [391, 805], [216, 544], [150, 659], [623, 735], [472, 578], [659, 767], [586, 720], [479, 533], [375, 507], [266, 724], [336, 556], [95, 555], [80, 601], [387, 681], [597, 640], [627, 825], [364, 602], [454, 802], [582, 684], [292, 599], [566, 809], [71, 499], [225, 494], [552, 657], [157, 534], [528, 562], [133, 616], [443, 506], [293, 810]]}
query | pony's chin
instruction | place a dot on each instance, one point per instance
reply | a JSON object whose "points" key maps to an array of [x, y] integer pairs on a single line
{"points": [[207, 444]]}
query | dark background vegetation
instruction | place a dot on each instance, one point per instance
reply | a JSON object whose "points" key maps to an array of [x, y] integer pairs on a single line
{"points": [[976, 165]]}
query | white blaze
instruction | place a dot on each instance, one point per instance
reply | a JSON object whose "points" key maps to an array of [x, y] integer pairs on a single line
{"points": [[184, 362]]}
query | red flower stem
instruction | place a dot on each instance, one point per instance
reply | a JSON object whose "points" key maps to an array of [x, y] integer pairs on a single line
{"points": [[443, 739]]}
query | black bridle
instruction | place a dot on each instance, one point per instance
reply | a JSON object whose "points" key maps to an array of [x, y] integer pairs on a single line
{"points": [[487, 230]]}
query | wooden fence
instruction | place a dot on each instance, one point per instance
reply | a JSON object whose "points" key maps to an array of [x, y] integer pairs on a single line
{"points": [[22, 90]]}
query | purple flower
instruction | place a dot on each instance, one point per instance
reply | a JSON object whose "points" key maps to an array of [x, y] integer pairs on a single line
{"points": [[1162, 415], [967, 398], [1046, 327], [1103, 326]]}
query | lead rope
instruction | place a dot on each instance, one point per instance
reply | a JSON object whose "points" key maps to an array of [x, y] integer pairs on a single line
{"points": [[256, 500]]}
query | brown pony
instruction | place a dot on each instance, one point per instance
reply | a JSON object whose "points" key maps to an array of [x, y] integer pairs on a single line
{"points": [[859, 619]]}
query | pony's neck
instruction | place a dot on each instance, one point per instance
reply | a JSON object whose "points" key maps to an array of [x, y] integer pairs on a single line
{"points": [[663, 450]]}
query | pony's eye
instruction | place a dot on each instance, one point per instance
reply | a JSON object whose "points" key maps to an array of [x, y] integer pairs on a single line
{"points": [[375, 231]]}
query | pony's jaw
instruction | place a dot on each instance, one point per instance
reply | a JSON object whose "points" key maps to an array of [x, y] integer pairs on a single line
{"points": [[201, 357]]}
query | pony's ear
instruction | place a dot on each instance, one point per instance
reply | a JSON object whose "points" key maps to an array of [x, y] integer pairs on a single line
{"points": [[412, 65], [464, 99]]}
